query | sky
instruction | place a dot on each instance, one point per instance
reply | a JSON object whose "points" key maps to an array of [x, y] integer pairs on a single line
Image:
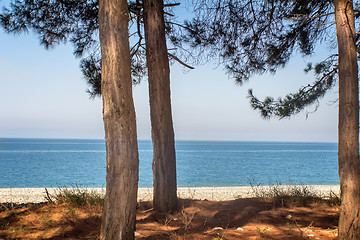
{"points": [[44, 96]]}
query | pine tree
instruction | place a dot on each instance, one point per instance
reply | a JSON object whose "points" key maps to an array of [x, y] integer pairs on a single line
{"points": [[164, 159], [122, 157], [76, 21], [254, 37]]}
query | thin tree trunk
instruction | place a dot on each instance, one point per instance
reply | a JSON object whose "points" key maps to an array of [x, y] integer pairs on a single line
{"points": [[122, 160], [164, 160], [349, 163]]}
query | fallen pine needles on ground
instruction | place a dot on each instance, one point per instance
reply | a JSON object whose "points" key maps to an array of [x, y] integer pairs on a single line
{"points": [[76, 214]]}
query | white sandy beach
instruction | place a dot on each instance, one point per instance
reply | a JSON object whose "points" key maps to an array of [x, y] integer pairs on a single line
{"points": [[26, 195]]}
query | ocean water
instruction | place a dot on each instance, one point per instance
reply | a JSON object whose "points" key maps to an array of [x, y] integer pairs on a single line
{"points": [[60, 162]]}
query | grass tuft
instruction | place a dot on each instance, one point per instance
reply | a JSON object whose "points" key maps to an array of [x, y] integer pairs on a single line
{"points": [[287, 196], [78, 196]]}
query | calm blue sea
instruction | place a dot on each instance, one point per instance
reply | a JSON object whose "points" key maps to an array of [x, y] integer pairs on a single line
{"points": [[59, 162]]}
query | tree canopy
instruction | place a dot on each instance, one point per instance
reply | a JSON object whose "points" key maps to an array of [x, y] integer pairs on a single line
{"points": [[254, 37], [76, 21]]}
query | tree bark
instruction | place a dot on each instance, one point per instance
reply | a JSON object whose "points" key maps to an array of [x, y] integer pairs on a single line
{"points": [[122, 160], [164, 159], [348, 152]]}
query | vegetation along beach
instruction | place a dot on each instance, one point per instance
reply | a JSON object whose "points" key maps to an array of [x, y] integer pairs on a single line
{"points": [[193, 119], [267, 212]]}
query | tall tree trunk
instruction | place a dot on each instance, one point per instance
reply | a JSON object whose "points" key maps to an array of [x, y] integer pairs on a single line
{"points": [[164, 160], [349, 163], [122, 160]]}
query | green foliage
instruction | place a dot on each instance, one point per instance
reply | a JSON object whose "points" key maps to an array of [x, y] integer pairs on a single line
{"points": [[288, 225], [55, 21], [293, 103], [91, 69], [262, 232], [252, 37], [21, 228], [76, 21], [285, 196], [78, 196]]}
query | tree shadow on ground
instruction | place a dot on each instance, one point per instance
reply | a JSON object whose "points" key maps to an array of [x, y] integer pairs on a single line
{"points": [[245, 218]]}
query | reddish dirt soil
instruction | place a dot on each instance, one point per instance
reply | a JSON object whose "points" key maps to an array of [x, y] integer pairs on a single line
{"points": [[248, 218]]}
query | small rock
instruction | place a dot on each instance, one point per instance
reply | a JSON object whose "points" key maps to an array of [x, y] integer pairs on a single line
{"points": [[240, 229], [289, 216], [137, 234], [311, 235], [218, 228]]}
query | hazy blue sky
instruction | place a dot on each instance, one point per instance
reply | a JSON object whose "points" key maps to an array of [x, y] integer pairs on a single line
{"points": [[43, 96]]}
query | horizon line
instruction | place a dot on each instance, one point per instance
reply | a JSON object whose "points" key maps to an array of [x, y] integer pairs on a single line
{"points": [[179, 140]]}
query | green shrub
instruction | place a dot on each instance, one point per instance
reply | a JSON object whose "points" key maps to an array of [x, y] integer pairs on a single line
{"points": [[284, 196], [78, 196]]}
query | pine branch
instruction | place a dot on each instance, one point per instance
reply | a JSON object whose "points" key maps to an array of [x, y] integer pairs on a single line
{"points": [[306, 18], [178, 60], [179, 25], [169, 14], [172, 5], [293, 103]]}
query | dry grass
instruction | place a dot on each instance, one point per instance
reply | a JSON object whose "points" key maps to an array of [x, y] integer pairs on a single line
{"points": [[244, 218], [292, 195], [77, 196]]}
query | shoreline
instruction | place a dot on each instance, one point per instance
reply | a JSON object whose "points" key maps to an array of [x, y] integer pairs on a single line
{"points": [[36, 195]]}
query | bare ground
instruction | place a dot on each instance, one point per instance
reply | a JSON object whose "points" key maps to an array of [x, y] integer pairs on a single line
{"points": [[244, 218]]}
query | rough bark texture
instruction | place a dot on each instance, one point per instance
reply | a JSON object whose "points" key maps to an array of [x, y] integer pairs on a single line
{"points": [[164, 160], [349, 163], [122, 160]]}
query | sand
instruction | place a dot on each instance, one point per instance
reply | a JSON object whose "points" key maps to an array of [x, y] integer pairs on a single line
{"points": [[34, 195]]}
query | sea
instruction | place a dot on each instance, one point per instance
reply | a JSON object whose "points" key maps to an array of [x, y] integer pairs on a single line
{"points": [[27, 163]]}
